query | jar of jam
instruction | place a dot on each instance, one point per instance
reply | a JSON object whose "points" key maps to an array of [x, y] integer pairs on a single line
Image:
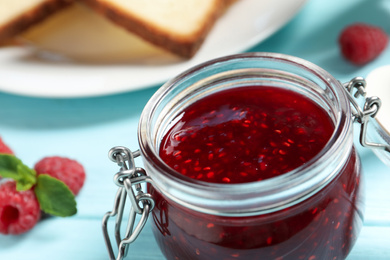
{"points": [[249, 156]]}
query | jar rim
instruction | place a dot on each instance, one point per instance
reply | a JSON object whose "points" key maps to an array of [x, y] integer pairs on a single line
{"points": [[180, 188]]}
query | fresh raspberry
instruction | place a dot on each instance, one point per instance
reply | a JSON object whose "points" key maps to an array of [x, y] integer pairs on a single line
{"points": [[361, 43], [4, 148], [19, 210], [64, 169]]}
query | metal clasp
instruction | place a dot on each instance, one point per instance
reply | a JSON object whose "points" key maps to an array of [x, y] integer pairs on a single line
{"points": [[355, 89], [129, 179]]}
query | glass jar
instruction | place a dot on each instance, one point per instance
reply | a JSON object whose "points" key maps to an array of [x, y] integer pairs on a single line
{"points": [[312, 212]]}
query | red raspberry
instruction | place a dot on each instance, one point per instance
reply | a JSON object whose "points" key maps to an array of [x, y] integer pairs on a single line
{"points": [[19, 210], [64, 169], [4, 148], [361, 43]]}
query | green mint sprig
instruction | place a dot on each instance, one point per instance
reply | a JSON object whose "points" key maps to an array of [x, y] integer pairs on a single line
{"points": [[53, 195]]}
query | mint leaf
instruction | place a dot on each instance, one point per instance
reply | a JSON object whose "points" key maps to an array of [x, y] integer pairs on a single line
{"points": [[54, 196], [8, 166], [12, 167], [27, 177]]}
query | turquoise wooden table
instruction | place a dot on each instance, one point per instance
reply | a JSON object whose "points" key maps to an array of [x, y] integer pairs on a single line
{"points": [[86, 128]]}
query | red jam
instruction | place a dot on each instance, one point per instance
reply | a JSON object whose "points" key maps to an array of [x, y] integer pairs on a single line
{"points": [[250, 134], [246, 134]]}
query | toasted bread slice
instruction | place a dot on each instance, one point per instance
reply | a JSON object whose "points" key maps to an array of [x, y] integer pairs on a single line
{"points": [[17, 16], [80, 34], [175, 25]]}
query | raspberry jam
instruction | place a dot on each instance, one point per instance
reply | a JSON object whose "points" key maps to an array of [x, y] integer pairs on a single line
{"points": [[252, 157], [246, 134], [322, 227]]}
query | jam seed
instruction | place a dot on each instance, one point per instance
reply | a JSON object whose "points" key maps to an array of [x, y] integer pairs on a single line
{"points": [[210, 175], [301, 131], [282, 152], [221, 154], [226, 179], [337, 225], [210, 225], [263, 166], [326, 221], [243, 174]]}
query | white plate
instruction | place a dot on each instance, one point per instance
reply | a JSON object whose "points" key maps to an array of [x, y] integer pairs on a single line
{"points": [[378, 84], [245, 24]]}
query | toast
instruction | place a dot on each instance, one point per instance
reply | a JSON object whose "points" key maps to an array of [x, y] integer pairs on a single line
{"points": [[17, 16], [80, 34], [175, 25]]}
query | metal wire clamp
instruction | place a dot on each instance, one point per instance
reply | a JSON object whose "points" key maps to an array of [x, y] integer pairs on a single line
{"points": [[355, 89], [129, 179]]}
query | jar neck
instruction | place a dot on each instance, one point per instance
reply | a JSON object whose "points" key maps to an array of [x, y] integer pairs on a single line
{"points": [[242, 70]]}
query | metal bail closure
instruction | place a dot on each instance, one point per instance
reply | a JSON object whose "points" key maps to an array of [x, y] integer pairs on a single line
{"points": [[357, 88], [129, 179]]}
